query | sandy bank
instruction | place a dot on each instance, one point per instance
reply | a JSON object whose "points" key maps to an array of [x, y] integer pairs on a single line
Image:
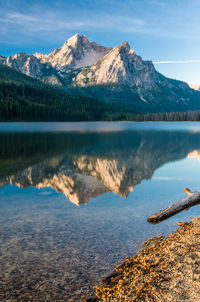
{"points": [[166, 269]]}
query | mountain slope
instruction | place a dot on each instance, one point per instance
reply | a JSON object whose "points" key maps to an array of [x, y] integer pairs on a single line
{"points": [[31, 66], [28, 99], [124, 77]]}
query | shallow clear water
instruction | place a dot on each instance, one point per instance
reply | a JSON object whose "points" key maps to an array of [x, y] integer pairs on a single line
{"points": [[75, 198]]}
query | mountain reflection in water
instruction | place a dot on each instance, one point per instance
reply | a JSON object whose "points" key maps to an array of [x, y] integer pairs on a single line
{"points": [[86, 165]]}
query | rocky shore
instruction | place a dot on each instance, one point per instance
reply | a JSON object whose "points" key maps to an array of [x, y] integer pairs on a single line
{"points": [[165, 269]]}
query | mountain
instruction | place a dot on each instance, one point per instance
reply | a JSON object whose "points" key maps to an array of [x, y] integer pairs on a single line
{"points": [[123, 77], [32, 66], [77, 52], [116, 76]]}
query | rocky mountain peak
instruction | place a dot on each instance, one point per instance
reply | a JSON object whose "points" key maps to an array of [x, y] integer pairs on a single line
{"points": [[20, 55], [124, 47], [120, 66], [73, 40], [77, 52], [76, 40], [123, 50]]}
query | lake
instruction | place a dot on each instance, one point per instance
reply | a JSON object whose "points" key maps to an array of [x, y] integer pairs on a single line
{"points": [[75, 198]]}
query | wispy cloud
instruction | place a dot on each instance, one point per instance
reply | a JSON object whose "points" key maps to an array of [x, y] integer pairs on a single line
{"points": [[52, 20], [13, 17], [124, 17], [34, 23], [51, 24], [166, 178], [177, 62]]}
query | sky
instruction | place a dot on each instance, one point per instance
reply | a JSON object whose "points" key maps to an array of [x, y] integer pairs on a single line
{"points": [[164, 31]]}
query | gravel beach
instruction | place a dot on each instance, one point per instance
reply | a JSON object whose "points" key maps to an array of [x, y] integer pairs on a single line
{"points": [[165, 269]]}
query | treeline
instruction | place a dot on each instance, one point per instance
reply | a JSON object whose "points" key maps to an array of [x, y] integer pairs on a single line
{"points": [[169, 116], [29, 103], [156, 117], [25, 103]]}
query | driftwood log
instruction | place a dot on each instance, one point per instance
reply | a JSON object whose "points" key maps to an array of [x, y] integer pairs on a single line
{"points": [[192, 199]]}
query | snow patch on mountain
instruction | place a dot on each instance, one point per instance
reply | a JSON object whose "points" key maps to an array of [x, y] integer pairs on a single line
{"points": [[77, 52]]}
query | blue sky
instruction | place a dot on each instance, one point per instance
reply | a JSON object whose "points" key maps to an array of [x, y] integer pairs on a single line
{"points": [[164, 31]]}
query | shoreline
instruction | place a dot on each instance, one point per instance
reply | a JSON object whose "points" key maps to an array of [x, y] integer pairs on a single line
{"points": [[165, 269], [117, 121]]}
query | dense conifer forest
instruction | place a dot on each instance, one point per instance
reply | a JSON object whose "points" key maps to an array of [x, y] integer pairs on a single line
{"points": [[25, 99]]}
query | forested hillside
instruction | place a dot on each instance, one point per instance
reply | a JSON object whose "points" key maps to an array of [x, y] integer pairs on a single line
{"points": [[23, 98]]}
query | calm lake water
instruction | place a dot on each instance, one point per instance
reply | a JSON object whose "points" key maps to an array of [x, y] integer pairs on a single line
{"points": [[75, 198]]}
